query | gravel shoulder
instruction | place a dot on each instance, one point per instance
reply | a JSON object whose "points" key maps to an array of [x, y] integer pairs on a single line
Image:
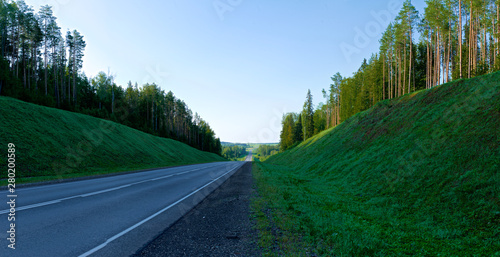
{"points": [[221, 225]]}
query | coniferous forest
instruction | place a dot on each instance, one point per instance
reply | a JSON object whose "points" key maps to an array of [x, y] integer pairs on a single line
{"points": [[42, 64], [450, 40]]}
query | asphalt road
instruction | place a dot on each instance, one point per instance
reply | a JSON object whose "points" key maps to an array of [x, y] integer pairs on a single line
{"points": [[249, 156], [111, 216], [221, 225]]}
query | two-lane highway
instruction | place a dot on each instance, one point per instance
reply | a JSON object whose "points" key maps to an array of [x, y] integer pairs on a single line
{"points": [[111, 216]]}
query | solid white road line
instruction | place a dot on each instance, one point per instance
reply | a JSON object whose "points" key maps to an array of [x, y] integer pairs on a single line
{"points": [[36, 205], [97, 192], [128, 174], [97, 248]]}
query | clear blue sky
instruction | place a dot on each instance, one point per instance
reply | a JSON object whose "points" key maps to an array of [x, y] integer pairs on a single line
{"points": [[240, 64]]}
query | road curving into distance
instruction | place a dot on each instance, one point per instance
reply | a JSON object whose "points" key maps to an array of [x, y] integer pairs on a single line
{"points": [[111, 216]]}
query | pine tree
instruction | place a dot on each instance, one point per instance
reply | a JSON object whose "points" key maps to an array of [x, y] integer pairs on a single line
{"points": [[76, 46], [408, 18], [308, 116], [298, 135], [287, 136], [47, 24], [334, 100]]}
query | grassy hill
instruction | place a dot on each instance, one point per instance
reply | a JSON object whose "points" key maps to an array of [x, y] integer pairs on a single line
{"points": [[418, 175], [54, 144]]}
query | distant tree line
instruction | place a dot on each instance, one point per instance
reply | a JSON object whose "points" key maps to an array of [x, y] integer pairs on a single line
{"points": [[234, 152], [458, 39], [39, 65], [265, 151], [238, 144]]}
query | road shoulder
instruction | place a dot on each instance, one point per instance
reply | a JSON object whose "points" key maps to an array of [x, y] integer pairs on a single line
{"points": [[220, 225]]}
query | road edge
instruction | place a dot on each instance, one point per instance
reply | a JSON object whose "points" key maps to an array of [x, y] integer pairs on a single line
{"points": [[189, 212], [67, 180]]}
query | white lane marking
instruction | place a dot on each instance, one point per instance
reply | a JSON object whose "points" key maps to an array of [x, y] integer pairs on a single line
{"points": [[97, 192], [123, 175], [36, 205], [154, 179], [104, 191], [99, 247]]}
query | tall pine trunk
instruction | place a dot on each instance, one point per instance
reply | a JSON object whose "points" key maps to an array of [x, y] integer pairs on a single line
{"points": [[404, 69], [24, 64], [45, 68], [460, 35], [484, 45], [436, 61], [56, 87], [427, 68], [439, 58], [69, 84], [63, 68], [470, 41], [450, 53], [411, 58], [389, 70], [477, 44], [383, 76], [399, 74], [75, 73], [498, 36], [391, 76]]}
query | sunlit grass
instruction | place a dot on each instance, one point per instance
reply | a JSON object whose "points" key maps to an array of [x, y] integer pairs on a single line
{"points": [[55, 144], [416, 175]]}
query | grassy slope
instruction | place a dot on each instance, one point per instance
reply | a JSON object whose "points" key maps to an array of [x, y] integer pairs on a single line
{"points": [[52, 143], [417, 175]]}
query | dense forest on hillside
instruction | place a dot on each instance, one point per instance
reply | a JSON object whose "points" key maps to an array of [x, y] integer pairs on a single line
{"points": [[412, 176], [458, 39], [39, 64]]}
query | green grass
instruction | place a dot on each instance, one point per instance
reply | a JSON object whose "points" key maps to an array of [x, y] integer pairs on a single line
{"points": [[418, 175], [260, 158], [239, 159], [54, 144]]}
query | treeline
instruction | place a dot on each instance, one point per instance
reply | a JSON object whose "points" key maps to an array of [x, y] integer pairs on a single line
{"points": [[265, 151], [234, 152], [458, 39], [297, 127], [233, 144], [39, 65]]}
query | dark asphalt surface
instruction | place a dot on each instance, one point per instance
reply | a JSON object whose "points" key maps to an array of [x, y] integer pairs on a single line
{"points": [[111, 216], [220, 225]]}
